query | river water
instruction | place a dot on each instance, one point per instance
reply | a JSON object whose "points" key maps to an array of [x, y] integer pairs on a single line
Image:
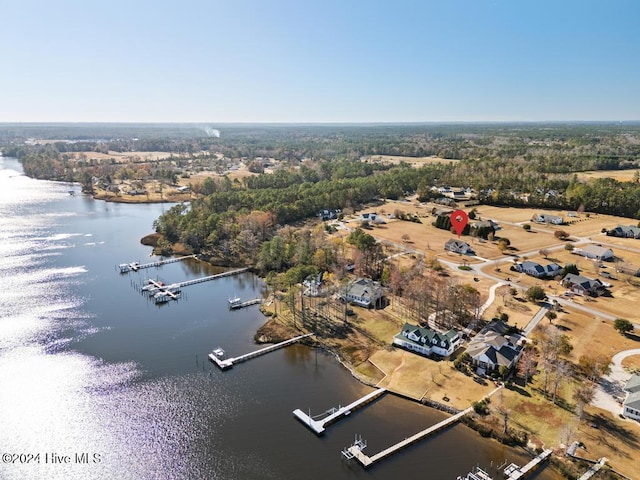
{"points": [[96, 382]]}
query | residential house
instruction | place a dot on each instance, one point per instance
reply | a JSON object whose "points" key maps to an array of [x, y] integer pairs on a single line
{"points": [[458, 246], [371, 217], [583, 285], [312, 285], [625, 231], [536, 270], [494, 347], [426, 341], [631, 404], [326, 214], [595, 252], [547, 218], [363, 292]]}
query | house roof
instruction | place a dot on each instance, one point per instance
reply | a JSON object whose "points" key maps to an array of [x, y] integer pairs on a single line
{"points": [[632, 401], [585, 282], [633, 384], [457, 243], [495, 342], [364, 287], [428, 335], [598, 251]]}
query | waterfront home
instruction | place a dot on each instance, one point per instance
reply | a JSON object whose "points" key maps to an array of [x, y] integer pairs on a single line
{"points": [[363, 292], [458, 246], [583, 285], [427, 341], [631, 404], [595, 252], [536, 270], [495, 346]]}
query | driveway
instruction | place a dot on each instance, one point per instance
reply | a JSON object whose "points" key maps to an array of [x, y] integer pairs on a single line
{"points": [[611, 386]]}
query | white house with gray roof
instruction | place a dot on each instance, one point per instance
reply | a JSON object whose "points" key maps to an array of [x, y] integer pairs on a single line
{"points": [[595, 252], [363, 292], [427, 341], [631, 404]]}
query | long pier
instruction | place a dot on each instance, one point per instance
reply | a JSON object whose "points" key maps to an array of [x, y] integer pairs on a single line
{"points": [[135, 266], [318, 426], [513, 472], [248, 303], [162, 292], [226, 363], [367, 461], [355, 450]]}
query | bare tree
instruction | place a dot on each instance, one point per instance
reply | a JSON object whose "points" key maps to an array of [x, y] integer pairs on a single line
{"points": [[583, 396], [562, 371], [527, 364]]}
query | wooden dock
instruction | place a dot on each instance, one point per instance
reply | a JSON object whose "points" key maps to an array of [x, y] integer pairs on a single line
{"points": [[318, 426], [355, 450], [226, 363], [135, 266], [248, 303], [594, 469], [514, 472], [162, 292], [367, 461], [476, 474]]}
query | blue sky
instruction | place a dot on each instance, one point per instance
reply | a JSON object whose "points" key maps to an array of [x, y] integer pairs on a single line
{"points": [[311, 61]]}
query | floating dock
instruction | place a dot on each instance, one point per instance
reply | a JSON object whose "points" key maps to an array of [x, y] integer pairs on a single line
{"points": [[227, 363], [514, 472], [135, 266], [318, 426]]}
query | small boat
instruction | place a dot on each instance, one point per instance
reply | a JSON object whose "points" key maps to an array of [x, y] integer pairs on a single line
{"points": [[218, 352], [234, 302]]}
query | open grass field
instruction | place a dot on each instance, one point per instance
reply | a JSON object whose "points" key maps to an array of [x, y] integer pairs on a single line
{"points": [[619, 175], [123, 157], [413, 161]]}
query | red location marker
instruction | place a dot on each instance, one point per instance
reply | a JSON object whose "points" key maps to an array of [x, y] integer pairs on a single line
{"points": [[459, 220]]}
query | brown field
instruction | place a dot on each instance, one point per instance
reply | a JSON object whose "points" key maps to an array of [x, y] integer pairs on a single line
{"points": [[619, 175], [590, 335], [413, 161], [123, 157], [437, 380], [632, 363]]}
